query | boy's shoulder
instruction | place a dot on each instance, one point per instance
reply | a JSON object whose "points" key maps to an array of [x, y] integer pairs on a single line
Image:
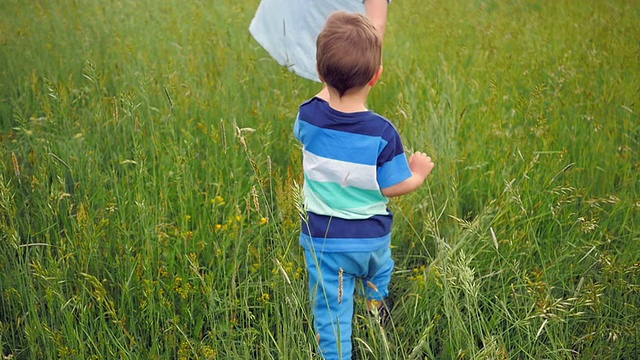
{"points": [[317, 111], [309, 101], [314, 103], [311, 108]]}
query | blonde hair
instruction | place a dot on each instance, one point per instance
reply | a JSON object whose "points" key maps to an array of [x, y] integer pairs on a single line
{"points": [[349, 51]]}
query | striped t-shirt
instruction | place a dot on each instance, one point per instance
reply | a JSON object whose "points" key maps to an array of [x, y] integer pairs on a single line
{"points": [[347, 159]]}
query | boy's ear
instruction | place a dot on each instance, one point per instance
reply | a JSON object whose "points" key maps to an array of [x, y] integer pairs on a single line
{"points": [[376, 76]]}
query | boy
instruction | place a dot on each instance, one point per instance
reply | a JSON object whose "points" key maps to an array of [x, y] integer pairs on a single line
{"points": [[353, 160]]}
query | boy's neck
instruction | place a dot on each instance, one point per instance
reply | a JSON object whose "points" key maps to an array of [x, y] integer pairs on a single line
{"points": [[352, 101]]}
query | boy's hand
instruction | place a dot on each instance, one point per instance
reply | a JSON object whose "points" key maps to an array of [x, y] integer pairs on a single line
{"points": [[421, 164]]}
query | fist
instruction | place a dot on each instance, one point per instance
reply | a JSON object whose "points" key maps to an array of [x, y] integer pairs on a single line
{"points": [[421, 164]]}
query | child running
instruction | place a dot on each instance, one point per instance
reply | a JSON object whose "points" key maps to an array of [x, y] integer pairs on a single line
{"points": [[353, 161]]}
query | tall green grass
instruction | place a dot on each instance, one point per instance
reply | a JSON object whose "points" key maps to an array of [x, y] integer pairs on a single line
{"points": [[148, 183]]}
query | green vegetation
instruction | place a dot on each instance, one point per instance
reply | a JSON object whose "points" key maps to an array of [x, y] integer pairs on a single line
{"points": [[148, 181]]}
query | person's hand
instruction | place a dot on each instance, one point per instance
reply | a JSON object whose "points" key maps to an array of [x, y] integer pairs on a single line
{"points": [[421, 164]]}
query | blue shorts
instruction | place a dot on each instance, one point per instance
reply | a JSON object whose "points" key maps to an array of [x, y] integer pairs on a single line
{"points": [[332, 281]]}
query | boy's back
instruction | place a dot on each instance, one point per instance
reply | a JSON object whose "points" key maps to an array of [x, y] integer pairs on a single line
{"points": [[347, 159]]}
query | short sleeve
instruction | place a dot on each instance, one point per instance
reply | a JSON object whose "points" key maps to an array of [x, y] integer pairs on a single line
{"points": [[393, 166]]}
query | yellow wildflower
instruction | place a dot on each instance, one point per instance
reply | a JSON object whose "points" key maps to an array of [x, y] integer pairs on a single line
{"points": [[218, 200]]}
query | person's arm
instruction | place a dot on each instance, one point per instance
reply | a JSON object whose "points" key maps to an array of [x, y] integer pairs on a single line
{"points": [[421, 166], [376, 11]]}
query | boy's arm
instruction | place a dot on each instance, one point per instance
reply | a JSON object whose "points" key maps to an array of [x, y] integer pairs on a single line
{"points": [[376, 11], [421, 166]]}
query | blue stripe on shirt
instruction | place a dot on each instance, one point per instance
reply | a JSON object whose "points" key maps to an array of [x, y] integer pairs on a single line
{"points": [[394, 171], [320, 226], [339, 145]]}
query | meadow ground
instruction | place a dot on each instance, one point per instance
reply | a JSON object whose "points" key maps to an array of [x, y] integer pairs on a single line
{"points": [[149, 183]]}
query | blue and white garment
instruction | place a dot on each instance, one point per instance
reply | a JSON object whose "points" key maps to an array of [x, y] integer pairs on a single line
{"points": [[347, 159], [288, 29]]}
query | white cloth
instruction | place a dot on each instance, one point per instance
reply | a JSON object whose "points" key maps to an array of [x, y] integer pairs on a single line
{"points": [[288, 29]]}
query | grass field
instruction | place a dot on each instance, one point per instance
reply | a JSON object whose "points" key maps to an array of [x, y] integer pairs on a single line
{"points": [[149, 181]]}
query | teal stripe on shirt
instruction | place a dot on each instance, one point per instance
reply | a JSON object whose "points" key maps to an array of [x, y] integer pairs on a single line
{"points": [[345, 197]]}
